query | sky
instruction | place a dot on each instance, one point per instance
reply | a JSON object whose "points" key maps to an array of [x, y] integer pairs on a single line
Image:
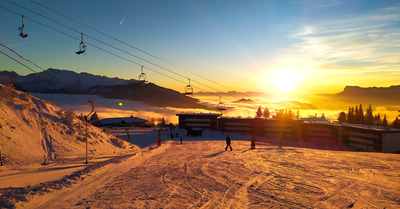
{"points": [[311, 46]]}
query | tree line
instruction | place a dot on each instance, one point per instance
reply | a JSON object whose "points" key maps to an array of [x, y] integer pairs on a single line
{"points": [[356, 115], [279, 113]]}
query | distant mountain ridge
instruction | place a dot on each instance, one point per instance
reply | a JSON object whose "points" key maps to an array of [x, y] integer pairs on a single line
{"points": [[65, 81], [52, 81], [368, 95], [357, 91]]}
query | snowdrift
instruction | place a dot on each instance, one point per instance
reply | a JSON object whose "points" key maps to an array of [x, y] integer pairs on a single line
{"points": [[36, 131]]}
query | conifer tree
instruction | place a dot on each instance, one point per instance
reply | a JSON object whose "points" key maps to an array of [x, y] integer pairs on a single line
{"points": [[94, 116], [259, 112], [369, 117], [396, 123], [342, 117], [350, 115], [360, 115], [266, 113], [323, 115], [356, 112], [378, 120], [384, 122]]}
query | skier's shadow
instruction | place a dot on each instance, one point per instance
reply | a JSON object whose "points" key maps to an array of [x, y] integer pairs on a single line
{"points": [[214, 155]]}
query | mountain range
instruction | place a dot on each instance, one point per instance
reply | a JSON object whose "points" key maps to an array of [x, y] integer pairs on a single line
{"points": [[357, 91], [64, 81], [368, 95]]}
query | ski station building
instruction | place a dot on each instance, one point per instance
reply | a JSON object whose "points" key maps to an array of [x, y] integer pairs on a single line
{"points": [[341, 136]]}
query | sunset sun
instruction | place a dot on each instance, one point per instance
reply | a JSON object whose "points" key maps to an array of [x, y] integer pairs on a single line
{"points": [[286, 81]]}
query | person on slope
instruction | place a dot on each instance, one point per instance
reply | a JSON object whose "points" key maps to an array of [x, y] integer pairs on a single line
{"points": [[253, 142], [228, 143]]}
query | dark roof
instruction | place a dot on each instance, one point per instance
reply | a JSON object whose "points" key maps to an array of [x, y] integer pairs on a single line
{"points": [[210, 114], [106, 121]]}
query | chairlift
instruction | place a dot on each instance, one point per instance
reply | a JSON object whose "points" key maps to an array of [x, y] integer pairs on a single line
{"points": [[142, 76], [82, 46], [21, 29], [220, 105], [188, 89]]}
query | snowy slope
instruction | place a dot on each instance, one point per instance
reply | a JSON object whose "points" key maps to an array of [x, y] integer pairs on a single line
{"points": [[34, 131], [200, 174]]}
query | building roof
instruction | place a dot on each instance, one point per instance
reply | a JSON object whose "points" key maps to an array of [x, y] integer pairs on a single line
{"points": [[191, 113], [106, 121], [360, 126]]}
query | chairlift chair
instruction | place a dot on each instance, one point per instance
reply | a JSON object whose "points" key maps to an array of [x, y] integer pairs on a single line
{"points": [[188, 89], [21, 29], [220, 105], [82, 46], [142, 76]]}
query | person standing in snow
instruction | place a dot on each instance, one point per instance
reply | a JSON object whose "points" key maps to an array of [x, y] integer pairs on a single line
{"points": [[253, 142], [228, 143]]}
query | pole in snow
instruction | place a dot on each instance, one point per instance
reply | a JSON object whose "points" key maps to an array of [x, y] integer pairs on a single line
{"points": [[86, 120]]}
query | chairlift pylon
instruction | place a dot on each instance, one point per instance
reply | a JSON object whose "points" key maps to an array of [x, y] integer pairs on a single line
{"points": [[221, 105], [21, 30], [142, 76], [188, 89], [82, 46]]}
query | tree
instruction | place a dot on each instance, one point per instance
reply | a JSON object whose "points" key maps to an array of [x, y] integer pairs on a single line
{"points": [[266, 113], [355, 118], [68, 118], [369, 117], [259, 112], [162, 124], [360, 115], [94, 116], [378, 120], [396, 123], [384, 122], [323, 115], [342, 117], [350, 115], [279, 113]]}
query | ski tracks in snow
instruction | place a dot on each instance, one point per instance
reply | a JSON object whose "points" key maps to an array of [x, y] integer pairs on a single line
{"points": [[199, 174]]}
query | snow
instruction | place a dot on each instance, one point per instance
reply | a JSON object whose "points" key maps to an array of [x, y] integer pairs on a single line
{"points": [[195, 174], [34, 131], [201, 174]]}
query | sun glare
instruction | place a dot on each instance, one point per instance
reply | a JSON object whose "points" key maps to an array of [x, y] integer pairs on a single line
{"points": [[285, 81]]}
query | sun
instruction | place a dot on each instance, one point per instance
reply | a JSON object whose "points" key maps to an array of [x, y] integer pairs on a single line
{"points": [[286, 81]]}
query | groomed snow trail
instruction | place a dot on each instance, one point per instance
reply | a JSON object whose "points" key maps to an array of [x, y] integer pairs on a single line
{"points": [[200, 174]]}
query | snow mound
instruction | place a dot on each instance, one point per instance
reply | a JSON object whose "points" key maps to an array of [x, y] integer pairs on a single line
{"points": [[33, 130]]}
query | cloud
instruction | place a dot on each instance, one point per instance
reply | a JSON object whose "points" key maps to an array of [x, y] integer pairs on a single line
{"points": [[367, 40]]}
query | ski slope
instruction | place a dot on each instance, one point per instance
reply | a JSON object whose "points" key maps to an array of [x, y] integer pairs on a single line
{"points": [[200, 174]]}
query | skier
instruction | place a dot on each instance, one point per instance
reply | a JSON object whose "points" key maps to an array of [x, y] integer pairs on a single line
{"points": [[228, 143], [253, 142]]}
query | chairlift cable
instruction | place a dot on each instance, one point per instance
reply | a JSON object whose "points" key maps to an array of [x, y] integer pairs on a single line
{"points": [[105, 49], [101, 48], [122, 42], [122, 50], [45, 77]]}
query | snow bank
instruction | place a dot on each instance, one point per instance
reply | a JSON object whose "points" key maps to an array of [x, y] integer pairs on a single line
{"points": [[36, 131]]}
